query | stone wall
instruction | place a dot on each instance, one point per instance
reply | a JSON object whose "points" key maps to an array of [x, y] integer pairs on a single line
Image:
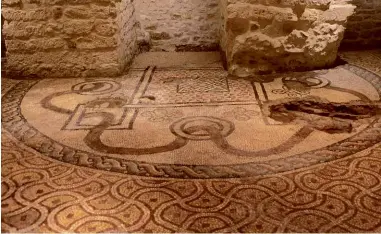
{"points": [[178, 25], [194, 24], [71, 38], [364, 27], [67, 38]]}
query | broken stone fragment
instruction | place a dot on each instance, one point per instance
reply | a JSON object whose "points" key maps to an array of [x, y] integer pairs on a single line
{"points": [[320, 114]]}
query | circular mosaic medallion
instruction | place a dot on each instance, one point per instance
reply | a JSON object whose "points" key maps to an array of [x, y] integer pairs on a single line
{"points": [[196, 128], [195, 123]]}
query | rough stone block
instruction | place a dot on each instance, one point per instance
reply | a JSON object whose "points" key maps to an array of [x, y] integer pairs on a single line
{"points": [[10, 14], [93, 42], [77, 27], [34, 45], [78, 12], [288, 35], [105, 28]]}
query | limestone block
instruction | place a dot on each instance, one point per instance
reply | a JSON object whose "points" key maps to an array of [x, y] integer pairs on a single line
{"points": [[35, 45], [265, 36], [78, 12], [10, 14], [26, 30], [104, 12], [77, 27], [95, 42], [11, 3], [105, 28]]}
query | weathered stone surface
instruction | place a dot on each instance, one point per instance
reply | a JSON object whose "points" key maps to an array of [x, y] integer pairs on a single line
{"points": [[26, 15], [78, 12], [63, 38], [34, 45], [127, 38], [364, 27], [261, 36], [92, 42], [258, 36], [105, 28], [26, 30], [177, 25], [63, 63], [11, 3], [77, 27], [160, 36]]}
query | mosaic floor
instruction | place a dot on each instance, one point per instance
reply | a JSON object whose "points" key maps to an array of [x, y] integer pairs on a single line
{"points": [[186, 148]]}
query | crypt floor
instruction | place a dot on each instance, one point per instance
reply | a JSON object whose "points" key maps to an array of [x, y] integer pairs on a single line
{"points": [[176, 145]]}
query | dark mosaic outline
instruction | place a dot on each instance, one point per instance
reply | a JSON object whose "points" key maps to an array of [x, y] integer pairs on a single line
{"points": [[15, 123]]}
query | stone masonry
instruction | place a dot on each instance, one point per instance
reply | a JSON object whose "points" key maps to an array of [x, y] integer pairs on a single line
{"points": [[364, 27], [265, 36], [170, 25], [68, 38], [83, 38], [178, 25]]}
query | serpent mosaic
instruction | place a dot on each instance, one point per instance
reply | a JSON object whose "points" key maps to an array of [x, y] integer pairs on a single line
{"points": [[183, 122]]}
